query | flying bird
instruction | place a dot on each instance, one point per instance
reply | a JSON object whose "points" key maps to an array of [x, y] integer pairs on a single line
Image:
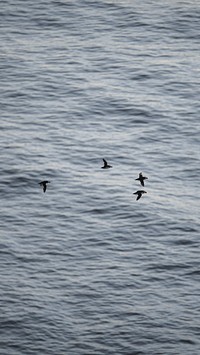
{"points": [[139, 194], [106, 165], [44, 184], [141, 178]]}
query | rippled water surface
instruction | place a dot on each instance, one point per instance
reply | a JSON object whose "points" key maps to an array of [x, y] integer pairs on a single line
{"points": [[85, 268]]}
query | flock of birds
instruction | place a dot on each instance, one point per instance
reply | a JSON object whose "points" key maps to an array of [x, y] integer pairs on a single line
{"points": [[139, 193], [141, 178]]}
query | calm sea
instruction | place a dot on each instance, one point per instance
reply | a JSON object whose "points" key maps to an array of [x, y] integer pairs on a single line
{"points": [[85, 269]]}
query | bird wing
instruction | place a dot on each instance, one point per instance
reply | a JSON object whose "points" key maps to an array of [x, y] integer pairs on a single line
{"points": [[105, 162]]}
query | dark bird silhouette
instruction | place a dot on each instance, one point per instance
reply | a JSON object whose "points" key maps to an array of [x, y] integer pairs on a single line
{"points": [[141, 178], [44, 184], [139, 194], [106, 165]]}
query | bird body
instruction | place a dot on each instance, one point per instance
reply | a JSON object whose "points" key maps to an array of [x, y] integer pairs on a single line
{"points": [[44, 184], [106, 165], [141, 178], [139, 194]]}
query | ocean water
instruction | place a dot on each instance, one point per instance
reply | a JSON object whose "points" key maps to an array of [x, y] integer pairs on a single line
{"points": [[85, 268]]}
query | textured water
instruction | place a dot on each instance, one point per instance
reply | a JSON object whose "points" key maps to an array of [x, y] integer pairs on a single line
{"points": [[85, 268]]}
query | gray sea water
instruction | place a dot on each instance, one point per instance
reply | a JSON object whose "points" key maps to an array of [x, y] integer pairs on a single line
{"points": [[85, 269]]}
